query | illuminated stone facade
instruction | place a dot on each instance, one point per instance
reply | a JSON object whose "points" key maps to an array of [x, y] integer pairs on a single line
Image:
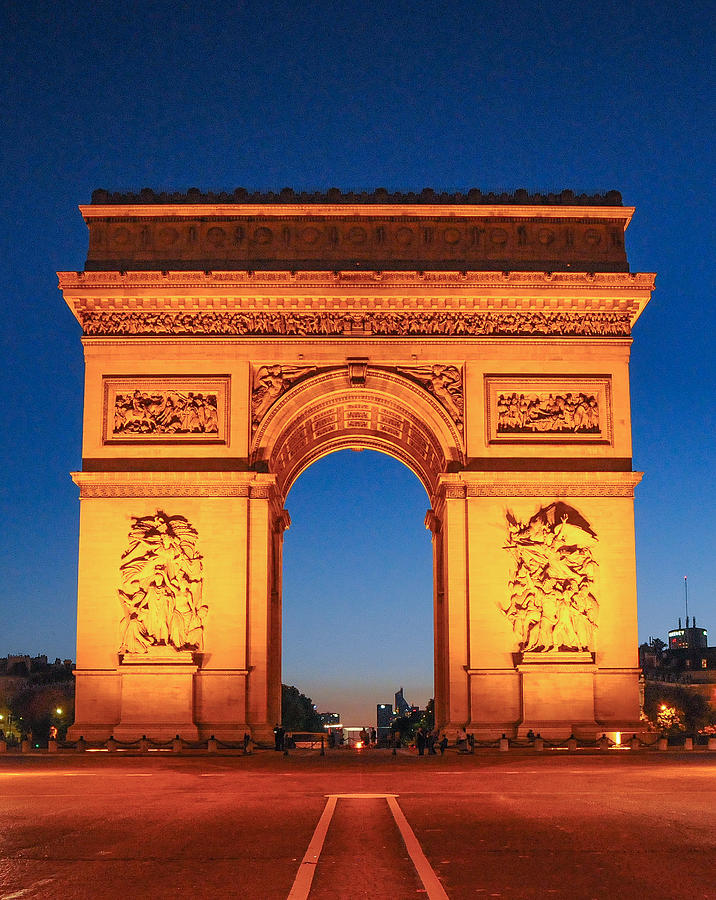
{"points": [[231, 341]]}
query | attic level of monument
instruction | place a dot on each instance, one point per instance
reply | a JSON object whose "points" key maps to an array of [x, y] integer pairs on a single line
{"points": [[377, 231]]}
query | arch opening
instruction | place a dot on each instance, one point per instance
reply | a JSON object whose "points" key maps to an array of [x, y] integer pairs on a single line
{"points": [[357, 586]]}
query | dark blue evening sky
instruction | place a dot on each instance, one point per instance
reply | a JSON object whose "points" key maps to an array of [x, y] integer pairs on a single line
{"points": [[590, 96]]}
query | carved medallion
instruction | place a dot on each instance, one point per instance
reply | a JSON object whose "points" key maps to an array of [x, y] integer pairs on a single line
{"points": [[551, 605], [161, 586]]}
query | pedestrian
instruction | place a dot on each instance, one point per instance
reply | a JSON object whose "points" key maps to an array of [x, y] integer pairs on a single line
{"points": [[430, 741], [462, 740], [420, 741], [247, 742], [373, 737], [278, 734], [443, 744], [531, 736]]}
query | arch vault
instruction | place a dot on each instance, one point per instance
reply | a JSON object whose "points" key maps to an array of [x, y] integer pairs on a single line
{"points": [[232, 341]]}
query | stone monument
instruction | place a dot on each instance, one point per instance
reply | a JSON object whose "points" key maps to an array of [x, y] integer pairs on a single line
{"points": [[232, 339]]}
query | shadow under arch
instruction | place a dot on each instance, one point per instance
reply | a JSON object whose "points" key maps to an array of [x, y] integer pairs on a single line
{"points": [[385, 412]]}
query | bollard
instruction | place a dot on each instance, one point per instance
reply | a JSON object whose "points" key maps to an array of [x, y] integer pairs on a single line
{"points": [[603, 742], [504, 743], [539, 744], [688, 743], [633, 742], [24, 746], [211, 745], [712, 743], [144, 744], [176, 744], [662, 744], [111, 744], [572, 743], [52, 746], [323, 747]]}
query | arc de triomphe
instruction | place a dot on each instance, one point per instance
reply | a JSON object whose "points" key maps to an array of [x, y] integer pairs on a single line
{"points": [[231, 340]]}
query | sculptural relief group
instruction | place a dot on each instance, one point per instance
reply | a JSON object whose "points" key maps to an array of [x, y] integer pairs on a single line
{"points": [[161, 586], [165, 412], [538, 322], [547, 413], [552, 606]]}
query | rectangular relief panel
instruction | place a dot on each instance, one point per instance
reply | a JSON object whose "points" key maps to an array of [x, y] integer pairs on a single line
{"points": [[564, 409], [166, 409]]}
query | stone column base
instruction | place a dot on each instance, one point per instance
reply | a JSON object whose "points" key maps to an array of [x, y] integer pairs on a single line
{"points": [[558, 694], [157, 696]]}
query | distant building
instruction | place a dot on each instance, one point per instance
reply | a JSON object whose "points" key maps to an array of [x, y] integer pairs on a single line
{"points": [[689, 638], [687, 660], [384, 719], [330, 719], [402, 707]]}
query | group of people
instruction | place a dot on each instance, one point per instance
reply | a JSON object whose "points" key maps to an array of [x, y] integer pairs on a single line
{"points": [[430, 739]]}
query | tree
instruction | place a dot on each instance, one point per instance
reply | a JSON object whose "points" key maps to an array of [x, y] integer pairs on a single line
{"points": [[691, 711], [297, 711]]}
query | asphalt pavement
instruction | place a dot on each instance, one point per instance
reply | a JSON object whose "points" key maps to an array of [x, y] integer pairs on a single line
{"points": [[514, 825]]}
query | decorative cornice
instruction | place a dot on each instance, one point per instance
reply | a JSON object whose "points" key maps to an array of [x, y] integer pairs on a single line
{"points": [[335, 195], [174, 484], [326, 304], [376, 279], [548, 484]]}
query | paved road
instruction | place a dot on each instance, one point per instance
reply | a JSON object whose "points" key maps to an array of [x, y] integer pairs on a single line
{"points": [[514, 825]]}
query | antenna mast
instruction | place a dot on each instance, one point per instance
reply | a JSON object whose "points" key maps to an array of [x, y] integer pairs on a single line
{"points": [[686, 599]]}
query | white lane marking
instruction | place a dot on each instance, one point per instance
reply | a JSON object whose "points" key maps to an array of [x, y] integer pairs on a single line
{"points": [[23, 891], [304, 877], [430, 880], [361, 796]]}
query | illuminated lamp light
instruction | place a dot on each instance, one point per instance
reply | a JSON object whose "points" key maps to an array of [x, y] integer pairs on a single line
{"points": [[359, 745]]}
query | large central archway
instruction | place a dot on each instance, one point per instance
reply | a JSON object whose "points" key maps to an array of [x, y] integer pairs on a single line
{"points": [[359, 407]]}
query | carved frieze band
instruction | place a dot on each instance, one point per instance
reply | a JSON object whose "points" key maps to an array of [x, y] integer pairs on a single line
{"points": [[541, 409], [392, 324], [166, 409]]}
